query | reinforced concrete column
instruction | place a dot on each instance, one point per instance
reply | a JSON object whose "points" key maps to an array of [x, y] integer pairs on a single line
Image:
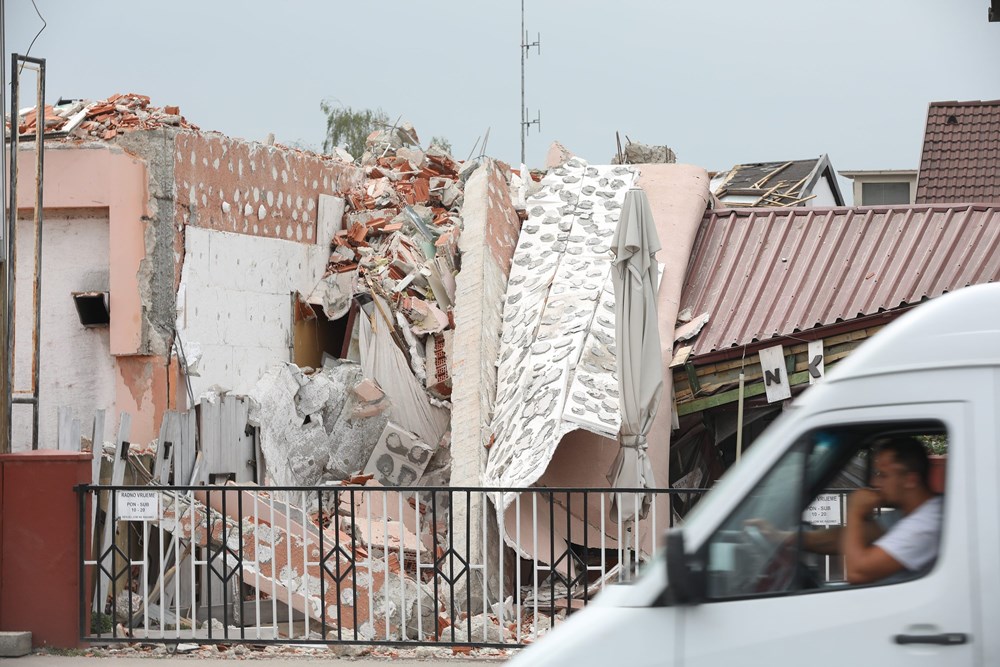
{"points": [[491, 227]]}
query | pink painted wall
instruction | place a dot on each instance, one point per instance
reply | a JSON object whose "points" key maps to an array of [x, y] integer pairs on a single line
{"points": [[216, 178], [103, 179], [678, 194], [100, 176]]}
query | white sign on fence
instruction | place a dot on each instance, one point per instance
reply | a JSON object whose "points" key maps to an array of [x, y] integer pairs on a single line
{"points": [[137, 505], [824, 511]]}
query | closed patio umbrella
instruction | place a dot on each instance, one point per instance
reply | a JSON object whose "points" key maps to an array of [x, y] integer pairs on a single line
{"points": [[640, 376]]}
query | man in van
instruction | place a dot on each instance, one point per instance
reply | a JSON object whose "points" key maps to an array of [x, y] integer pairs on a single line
{"points": [[883, 551], [895, 545]]}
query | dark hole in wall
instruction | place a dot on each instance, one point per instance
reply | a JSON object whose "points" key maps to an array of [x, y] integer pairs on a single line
{"points": [[315, 335], [92, 308]]}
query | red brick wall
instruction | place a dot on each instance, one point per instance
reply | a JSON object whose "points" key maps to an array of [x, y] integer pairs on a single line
{"points": [[502, 223], [232, 185]]}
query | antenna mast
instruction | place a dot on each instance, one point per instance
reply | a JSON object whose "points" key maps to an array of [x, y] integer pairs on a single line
{"points": [[525, 48]]}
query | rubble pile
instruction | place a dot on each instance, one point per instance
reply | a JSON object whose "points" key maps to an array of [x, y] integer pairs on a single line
{"points": [[637, 153], [313, 428], [372, 550], [103, 119], [402, 226], [397, 254], [383, 599]]}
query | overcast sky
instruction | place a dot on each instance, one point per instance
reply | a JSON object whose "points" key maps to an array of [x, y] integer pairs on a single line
{"points": [[721, 82]]}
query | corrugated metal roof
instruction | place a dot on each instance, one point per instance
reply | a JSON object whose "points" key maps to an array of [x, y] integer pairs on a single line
{"points": [[767, 273], [961, 155]]}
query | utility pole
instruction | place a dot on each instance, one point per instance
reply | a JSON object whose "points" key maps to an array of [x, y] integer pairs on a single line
{"points": [[525, 48], [8, 289], [6, 374]]}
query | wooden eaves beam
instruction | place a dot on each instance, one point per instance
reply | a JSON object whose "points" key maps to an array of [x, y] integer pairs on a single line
{"points": [[714, 401]]}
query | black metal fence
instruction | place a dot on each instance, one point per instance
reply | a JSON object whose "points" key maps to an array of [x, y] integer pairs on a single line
{"points": [[356, 564]]}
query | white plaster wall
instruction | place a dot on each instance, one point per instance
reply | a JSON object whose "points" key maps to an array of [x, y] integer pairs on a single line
{"points": [[824, 194], [235, 303], [76, 368]]}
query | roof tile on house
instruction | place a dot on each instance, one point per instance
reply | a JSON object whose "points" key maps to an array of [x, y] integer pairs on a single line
{"points": [[961, 155], [774, 184], [765, 274]]}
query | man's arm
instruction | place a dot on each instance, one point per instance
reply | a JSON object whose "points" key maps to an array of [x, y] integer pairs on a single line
{"points": [[830, 541], [865, 563], [826, 542]]}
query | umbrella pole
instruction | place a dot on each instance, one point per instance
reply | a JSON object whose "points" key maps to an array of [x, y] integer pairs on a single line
{"points": [[630, 528], [739, 419], [627, 552]]}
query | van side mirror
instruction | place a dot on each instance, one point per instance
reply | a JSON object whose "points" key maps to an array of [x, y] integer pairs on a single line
{"points": [[686, 583]]}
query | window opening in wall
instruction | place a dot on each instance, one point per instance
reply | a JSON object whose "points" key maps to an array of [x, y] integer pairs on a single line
{"points": [[316, 336], [92, 308], [873, 194]]}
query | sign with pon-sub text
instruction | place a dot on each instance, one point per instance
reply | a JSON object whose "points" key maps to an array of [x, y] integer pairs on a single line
{"points": [[824, 511], [137, 505]]}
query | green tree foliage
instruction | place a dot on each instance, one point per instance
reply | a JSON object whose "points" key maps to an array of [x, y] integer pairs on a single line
{"points": [[442, 143], [935, 444], [349, 128]]}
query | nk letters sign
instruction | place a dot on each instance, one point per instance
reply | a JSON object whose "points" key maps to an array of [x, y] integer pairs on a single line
{"points": [[815, 368], [772, 366], [137, 505]]}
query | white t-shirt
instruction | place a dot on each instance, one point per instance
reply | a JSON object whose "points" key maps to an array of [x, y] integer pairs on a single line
{"points": [[913, 540]]}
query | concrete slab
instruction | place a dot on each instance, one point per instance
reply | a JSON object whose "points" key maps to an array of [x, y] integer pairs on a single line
{"points": [[14, 644]]}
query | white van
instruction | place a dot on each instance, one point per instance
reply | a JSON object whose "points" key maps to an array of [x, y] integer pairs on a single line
{"points": [[720, 595]]}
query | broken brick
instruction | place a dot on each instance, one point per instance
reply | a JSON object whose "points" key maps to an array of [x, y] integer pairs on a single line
{"points": [[357, 232], [367, 390]]}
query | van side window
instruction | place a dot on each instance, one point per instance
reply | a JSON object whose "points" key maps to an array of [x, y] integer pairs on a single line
{"points": [[795, 532]]}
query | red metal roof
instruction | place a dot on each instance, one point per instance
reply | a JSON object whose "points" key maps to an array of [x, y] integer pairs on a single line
{"points": [[961, 155], [768, 273]]}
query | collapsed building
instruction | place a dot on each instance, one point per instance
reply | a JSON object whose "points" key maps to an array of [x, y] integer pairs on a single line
{"points": [[256, 313], [217, 260], [291, 319]]}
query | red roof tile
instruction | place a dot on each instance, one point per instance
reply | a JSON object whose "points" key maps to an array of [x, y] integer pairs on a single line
{"points": [[961, 155], [768, 273]]}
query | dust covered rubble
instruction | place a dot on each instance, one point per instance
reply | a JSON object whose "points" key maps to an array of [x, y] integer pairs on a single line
{"points": [[393, 264]]}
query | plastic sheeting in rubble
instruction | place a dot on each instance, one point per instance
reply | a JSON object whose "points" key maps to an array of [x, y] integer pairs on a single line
{"points": [[395, 258]]}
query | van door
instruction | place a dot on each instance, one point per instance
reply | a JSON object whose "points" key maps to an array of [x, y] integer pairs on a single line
{"points": [[765, 608]]}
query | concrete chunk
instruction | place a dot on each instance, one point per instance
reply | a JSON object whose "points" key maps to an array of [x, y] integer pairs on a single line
{"points": [[14, 644]]}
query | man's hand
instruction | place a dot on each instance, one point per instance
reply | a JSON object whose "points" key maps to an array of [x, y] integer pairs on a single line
{"points": [[861, 504], [865, 562]]}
